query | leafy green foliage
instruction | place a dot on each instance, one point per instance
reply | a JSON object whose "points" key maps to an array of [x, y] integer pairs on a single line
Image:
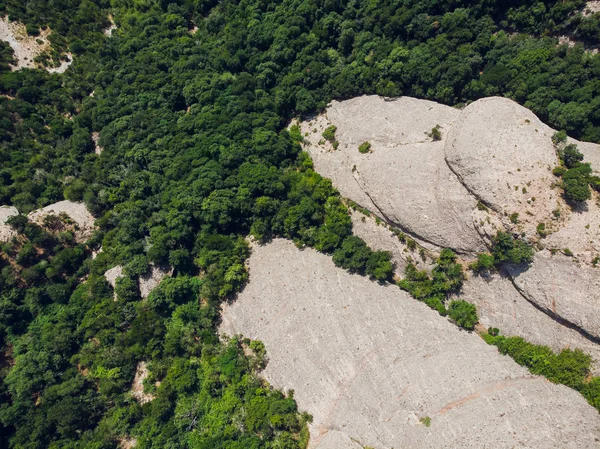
{"points": [[507, 249], [364, 148], [196, 157], [463, 313], [446, 277]]}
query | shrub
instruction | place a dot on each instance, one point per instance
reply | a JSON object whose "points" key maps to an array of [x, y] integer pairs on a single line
{"points": [[493, 331], [570, 156], [435, 133], [559, 138], [507, 249], [541, 229], [329, 133], [364, 148], [463, 313], [514, 218], [576, 183], [484, 262]]}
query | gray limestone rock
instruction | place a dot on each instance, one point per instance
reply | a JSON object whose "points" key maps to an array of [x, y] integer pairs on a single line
{"points": [[368, 360]]}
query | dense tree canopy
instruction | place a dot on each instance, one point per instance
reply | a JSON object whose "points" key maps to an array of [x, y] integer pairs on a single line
{"points": [[191, 100]]}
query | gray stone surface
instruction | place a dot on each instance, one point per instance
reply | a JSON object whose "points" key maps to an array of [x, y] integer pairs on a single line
{"points": [[563, 287], [369, 361], [77, 211], [500, 305], [504, 155], [405, 178], [379, 237], [494, 150], [6, 232]]}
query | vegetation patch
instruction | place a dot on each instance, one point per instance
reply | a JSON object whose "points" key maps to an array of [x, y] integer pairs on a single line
{"points": [[364, 148]]}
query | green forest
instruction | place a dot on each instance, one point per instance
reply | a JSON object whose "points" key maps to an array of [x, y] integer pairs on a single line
{"points": [[191, 99]]}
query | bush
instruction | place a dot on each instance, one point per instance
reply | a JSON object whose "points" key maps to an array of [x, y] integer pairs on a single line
{"points": [[435, 133], [364, 148], [329, 133], [464, 314], [570, 156], [484, 262], [576, 183], [507, 249]]}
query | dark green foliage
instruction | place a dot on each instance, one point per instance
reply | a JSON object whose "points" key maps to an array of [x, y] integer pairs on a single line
{"points": [[435, 133], [446, 278], [484, 262], [196, 157], [576, 183], [364, 148], [507, 249], [355, 256], [329, 133], [463, 313], [570, 156]]}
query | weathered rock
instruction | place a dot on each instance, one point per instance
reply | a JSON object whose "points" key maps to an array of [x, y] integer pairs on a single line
{"points": [[563, 287], [150, 281], [7, 232], [369, 361], [500, 305], [137, 388], [337, 440], [26, 47], [76, 211], [111, 275], [147, 282], [503, 154], [405, 178]]}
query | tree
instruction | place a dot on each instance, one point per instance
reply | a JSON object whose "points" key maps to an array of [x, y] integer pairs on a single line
{"points": [[463, 314]]}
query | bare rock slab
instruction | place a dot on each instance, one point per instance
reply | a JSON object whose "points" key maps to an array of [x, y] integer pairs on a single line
{"points": [[405, 178], [76, 211], [563, 287], [502, 306], [369, 361]]}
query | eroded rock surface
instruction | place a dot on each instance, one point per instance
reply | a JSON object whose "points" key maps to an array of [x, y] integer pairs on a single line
{"points": [[405, 178], [369, 361], [26, 47], [563, 287], [146, 283], [76, 211], [490, 171], [503, 154], [502, 306], [6, 232]]}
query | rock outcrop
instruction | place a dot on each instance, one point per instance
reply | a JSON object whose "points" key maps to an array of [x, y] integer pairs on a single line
{"points": [[76, 211], [368, 361], [405, 178], [502, 306], [146, 282], [6, 232], [503, 154], [489, 170]]}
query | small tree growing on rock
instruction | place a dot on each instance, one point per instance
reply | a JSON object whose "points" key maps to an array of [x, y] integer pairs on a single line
{"points": [[463, 314]]}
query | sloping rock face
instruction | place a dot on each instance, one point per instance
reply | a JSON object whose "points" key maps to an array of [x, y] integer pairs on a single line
{"points": [[564, 288], [76, 211], [490, 171], [503, 154], [405, 178], [500, 305], [146, 283], [368, 361]]}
